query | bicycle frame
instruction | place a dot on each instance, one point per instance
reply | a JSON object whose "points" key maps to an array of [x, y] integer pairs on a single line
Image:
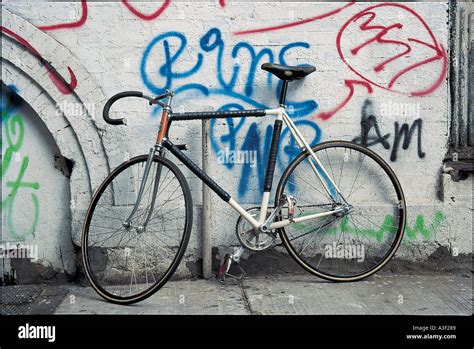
{"points": [[263, 223], [281, 116]]}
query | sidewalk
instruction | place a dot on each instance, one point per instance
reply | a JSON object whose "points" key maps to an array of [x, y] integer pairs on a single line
{"points": [[382, 294]]}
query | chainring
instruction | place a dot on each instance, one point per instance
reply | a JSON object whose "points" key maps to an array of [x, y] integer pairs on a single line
{"points": [[249, 238]]}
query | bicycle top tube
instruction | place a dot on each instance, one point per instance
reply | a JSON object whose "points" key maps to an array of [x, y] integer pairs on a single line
{"points": [[217, 114]]}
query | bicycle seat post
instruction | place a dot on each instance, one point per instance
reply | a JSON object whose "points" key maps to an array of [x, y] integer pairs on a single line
{"points": [[284, 88]]}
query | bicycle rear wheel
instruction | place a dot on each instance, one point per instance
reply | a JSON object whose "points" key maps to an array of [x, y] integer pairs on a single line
{"points": [[343, 247], [128, 263]]}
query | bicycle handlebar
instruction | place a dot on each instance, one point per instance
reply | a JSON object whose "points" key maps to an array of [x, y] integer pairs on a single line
{"points": [[125, 94]]}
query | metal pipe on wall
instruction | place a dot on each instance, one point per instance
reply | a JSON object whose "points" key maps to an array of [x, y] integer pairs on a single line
{"points": [[206, 205]]}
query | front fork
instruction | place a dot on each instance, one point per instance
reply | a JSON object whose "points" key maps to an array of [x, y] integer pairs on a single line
{"points": [[151, 154]]}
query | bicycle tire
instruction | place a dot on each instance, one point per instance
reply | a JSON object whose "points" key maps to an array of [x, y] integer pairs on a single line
{"points": [[183, 241], [287, 242]]}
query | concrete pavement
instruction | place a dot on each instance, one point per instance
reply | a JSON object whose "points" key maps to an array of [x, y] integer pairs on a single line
{"points": [[281, 294]]}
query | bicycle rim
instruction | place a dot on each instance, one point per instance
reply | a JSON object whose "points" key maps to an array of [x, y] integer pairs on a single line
{"points": [[344, 247], [128, 264]]}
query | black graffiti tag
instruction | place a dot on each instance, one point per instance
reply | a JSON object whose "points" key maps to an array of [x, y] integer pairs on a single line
{"points": [[401, 131]]}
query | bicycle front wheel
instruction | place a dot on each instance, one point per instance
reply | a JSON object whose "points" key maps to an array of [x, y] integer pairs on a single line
{"points": [[127, 262], [353, 245]]}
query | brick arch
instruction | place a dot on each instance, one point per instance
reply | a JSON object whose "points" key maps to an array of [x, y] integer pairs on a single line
{"points": [[72, 117]]}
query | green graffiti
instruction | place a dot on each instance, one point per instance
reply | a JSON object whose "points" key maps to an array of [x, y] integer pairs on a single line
{"points": [[14, 127], [420, 229], [387, 227], [13, 147]]}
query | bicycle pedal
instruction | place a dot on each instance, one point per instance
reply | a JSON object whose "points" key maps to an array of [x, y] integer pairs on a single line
{"points": [[221, 274], [224, 268]]}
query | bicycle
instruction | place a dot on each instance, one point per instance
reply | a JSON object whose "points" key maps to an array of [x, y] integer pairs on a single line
{"points": [[139, 221]]}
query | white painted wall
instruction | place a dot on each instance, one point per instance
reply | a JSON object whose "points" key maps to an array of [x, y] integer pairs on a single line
{"points": [[120, 51], [35, 190]]}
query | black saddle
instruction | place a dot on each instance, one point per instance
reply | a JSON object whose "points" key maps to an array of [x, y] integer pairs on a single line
{"points": [[288, 73]]}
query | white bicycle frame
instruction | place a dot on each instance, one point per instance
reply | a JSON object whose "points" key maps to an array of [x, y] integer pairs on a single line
{"points": [[281, 114]]}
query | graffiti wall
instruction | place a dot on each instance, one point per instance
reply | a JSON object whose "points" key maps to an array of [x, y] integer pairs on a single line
{"points": [[33, 204], [381, 80]]}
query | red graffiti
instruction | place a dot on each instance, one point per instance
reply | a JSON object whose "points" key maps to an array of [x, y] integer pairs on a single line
{"points": [[293, 24], [350, 84], [441, 54], [62, 85], [151, 16], [376, 40], [132, 9], [76, 24], [371, 36], [158, 12]]}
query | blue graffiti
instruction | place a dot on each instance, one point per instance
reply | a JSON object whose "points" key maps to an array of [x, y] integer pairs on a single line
{"points": [[176, 70]]}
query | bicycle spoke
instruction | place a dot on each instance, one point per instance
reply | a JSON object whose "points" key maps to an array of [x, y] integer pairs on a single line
{"points": [[356, 177]]}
